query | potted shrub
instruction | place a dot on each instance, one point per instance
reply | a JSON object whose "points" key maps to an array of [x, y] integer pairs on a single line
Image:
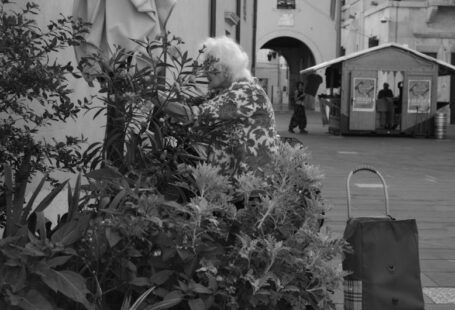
{"points": [[210, 253]]}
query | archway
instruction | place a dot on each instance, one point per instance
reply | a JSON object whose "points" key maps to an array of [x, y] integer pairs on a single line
{"points": [[297, 56]]}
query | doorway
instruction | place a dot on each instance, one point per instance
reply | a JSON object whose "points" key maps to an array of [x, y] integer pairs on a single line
{"points": [[389, 105]]}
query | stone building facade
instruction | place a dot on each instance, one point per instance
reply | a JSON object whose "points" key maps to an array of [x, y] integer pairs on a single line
{"points": [[303, 32]]}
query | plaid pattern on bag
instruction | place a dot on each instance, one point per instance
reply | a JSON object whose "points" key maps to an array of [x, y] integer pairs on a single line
{"points": [[352, 295]]}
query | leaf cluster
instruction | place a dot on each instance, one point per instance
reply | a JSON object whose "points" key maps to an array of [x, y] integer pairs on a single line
{"points": [[34, 94], [253, 242], [141, 141], [40, 264]]}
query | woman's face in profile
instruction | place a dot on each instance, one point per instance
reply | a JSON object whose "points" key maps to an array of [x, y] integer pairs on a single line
{"points": [[217, 77]]}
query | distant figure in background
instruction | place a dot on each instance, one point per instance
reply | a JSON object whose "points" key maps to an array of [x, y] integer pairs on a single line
{"points": [[400, 89], [398, 106], [385, 92], [298, 118], [385, 107]]}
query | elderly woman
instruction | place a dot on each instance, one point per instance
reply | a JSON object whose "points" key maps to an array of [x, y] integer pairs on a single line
{"points": [[249, 135]]}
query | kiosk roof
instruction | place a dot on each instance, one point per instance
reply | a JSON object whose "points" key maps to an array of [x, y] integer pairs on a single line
{"points": [[444, 67]]}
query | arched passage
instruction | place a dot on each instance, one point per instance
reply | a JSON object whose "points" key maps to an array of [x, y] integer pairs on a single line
{"points": [[298, 56]]}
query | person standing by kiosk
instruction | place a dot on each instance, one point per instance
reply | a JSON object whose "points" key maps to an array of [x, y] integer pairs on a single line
{"points": [[298, 118], [385, 107]]}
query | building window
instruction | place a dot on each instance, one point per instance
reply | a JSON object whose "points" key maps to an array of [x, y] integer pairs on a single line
{"points": [[342, 51], [285, 4], [373, 41]]}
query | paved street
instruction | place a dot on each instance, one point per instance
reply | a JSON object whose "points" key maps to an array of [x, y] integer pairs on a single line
{"points": [[420, 177]]}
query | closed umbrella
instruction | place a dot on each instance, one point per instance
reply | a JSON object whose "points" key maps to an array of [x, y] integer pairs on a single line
{"points": [[118, 22]]}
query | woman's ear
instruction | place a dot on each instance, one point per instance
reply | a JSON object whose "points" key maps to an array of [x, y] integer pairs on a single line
{"points": [[227, 74]]}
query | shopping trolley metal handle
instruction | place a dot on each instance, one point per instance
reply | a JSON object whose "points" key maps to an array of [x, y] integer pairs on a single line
{"points": [[384, 186]]}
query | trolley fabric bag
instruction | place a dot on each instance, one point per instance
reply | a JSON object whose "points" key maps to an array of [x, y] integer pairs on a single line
{"points": [[384, 264]]}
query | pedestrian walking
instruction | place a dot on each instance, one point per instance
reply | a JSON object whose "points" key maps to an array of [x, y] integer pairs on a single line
{"points": [[298, 118]]}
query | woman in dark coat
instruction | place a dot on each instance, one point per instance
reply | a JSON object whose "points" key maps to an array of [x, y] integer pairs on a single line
{"points": [[298, 118]]}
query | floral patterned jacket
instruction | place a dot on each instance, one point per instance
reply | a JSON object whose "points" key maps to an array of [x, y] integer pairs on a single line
{"points": [[248, 131]]}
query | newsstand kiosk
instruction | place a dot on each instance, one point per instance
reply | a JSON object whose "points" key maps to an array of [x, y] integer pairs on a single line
{"points": [[356, 109]]}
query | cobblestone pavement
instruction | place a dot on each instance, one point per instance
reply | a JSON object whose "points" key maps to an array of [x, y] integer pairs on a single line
{"points": [[420, 176]]}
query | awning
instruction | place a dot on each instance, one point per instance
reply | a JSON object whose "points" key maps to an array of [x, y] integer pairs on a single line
{"points": [[444, 67]]}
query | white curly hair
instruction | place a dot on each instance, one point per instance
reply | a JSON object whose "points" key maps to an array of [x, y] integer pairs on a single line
{"points": [[230, 55]]}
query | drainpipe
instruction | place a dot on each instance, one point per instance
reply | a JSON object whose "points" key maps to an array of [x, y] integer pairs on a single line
{"points": [[278, 86], [396, 4], [237, 27], [253, 54], [212, 18], [338, 28]]}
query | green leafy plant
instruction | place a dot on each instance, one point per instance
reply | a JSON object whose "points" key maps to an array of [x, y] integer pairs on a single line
{"points": [[253, 242], [264, 250], [34, 94], [129, 92], [37, 260], [141, 141]]}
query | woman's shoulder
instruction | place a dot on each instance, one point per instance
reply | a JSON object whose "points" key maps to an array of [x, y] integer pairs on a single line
{"points": [[243, 84], [247, 87]]}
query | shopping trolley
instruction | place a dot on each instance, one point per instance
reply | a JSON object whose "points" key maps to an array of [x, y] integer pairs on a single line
{"points": [[383, 266]]}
